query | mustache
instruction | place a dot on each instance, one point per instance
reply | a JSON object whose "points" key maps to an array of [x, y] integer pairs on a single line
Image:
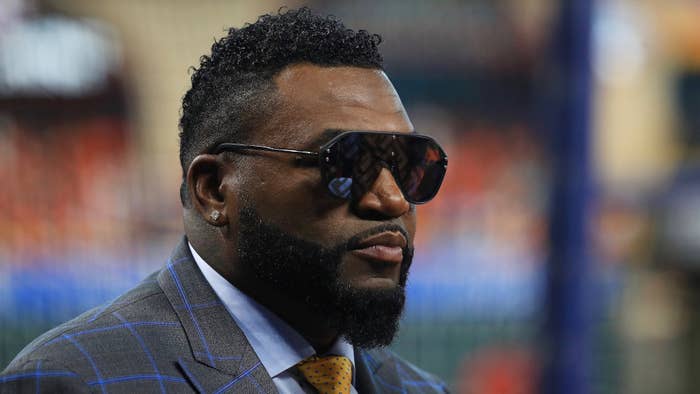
{"points": [[355, 240]]}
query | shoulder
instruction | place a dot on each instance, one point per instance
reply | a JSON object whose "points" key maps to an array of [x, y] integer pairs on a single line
{"points": [[41, 376], [72, 354], [411, 377], [99, 322]]}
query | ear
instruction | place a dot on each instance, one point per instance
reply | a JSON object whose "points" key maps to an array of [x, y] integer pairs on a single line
{"points": [[204, 177]]}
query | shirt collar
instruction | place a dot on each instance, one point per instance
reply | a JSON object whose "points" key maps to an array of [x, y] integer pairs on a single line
{"points": [[278, 346]]}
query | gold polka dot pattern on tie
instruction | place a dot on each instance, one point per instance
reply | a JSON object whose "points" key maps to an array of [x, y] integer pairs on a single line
{"points": [[329, 375]]}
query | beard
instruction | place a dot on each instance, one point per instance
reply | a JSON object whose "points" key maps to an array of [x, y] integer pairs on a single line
{"points": [[310, 273]]}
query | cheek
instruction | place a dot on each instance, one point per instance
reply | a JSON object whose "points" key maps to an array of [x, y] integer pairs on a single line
{"points": [[293, 199], [410, 224]]}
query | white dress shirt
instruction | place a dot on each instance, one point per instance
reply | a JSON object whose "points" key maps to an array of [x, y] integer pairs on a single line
{"points": [[278, 346]]}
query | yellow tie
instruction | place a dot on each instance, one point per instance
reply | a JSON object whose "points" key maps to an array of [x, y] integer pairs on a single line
{"points": [[329, 375]]}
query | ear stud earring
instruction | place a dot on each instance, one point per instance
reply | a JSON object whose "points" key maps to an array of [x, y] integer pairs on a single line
{"points": [[215, 215]]}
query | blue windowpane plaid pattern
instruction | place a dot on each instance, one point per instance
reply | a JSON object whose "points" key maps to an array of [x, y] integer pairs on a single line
{"points": [[171, 334]]}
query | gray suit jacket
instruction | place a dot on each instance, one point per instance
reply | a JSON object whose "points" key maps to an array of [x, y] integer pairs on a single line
{"points": [[171, 333]]}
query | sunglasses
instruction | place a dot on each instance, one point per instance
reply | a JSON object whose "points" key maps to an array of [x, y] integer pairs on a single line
{"points": [[351, 161]]}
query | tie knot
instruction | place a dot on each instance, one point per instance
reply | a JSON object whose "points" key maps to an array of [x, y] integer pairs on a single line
{"points": [[329, 374]]}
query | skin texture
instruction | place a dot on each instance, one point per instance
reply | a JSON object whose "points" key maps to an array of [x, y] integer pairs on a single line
{"points": [[310, 100]]}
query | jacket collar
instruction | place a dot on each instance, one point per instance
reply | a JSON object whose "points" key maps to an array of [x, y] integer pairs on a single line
{"points": [[216, 342], [375, 373]]}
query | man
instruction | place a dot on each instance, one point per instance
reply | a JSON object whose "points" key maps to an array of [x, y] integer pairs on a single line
{"points": [[299, 232]]}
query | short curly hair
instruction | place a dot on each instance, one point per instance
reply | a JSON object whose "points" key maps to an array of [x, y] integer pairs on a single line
{"points": [[233, 89]]}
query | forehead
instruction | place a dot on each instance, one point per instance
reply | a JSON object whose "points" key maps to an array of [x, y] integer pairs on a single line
{"points": [[313, 99]]}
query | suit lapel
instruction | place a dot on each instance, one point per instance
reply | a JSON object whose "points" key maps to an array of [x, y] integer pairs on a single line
{"points": [[375, 373], [364, 375], [210, 380], [224, 358]]}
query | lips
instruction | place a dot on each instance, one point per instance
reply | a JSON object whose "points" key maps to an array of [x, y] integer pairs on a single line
{"points": [[384, 247]]}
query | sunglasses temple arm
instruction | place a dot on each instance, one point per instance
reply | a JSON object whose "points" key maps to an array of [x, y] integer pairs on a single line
{"points": [[236, 147]]}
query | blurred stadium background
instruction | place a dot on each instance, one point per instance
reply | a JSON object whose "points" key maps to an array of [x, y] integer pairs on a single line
{"points": [[89, 104]]}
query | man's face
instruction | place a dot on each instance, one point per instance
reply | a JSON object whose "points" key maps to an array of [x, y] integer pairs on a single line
{"points": [[347, 260]]}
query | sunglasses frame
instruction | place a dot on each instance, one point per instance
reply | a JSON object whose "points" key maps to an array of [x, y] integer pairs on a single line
{"points": [[323, 156]]}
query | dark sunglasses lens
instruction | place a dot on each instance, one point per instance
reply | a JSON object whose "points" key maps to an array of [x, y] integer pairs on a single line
{"points": [[421, 177], [356, 160]]}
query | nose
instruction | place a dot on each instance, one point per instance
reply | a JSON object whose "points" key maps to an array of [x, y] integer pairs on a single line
{"points": [[384, 197]]}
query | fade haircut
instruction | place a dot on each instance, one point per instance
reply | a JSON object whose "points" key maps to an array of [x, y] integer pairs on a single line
{"points": [[233, 89]]}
